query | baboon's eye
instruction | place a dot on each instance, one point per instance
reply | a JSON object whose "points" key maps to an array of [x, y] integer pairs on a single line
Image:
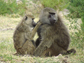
{"points": [[26, 18], [49, 16], [32, 18]]}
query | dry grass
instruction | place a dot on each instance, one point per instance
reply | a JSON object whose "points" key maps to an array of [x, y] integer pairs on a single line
{"points": [[7, 26]]}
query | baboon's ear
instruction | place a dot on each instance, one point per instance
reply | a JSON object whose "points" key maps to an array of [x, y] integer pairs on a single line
{"points": [[26, 17]]}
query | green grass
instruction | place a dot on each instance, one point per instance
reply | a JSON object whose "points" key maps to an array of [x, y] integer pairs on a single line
{"points": [[11, 7], [7, 50]]}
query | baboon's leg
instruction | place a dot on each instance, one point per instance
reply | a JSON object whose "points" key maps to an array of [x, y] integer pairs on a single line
{"points": [[46, 53], [23, 50], [27, 48], [43, 46]]}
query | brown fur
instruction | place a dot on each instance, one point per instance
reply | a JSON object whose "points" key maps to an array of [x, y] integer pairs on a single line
{"points": [[23, 35], [55, 38]]}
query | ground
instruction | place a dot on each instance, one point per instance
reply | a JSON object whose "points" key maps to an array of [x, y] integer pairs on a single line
{"points": [[7, 51]]}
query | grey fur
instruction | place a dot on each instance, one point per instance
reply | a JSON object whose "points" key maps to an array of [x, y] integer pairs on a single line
{"points": [[23, 35], [55, 38]]}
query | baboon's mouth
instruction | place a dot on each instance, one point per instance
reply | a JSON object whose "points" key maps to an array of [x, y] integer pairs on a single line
{"points": [[52, 22]]}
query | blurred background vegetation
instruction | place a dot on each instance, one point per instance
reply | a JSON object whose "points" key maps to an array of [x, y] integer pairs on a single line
{"points": [[75, 7], [72, 12]]}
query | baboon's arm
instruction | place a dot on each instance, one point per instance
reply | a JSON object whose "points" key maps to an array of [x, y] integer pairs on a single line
{"points": [[44, 45], [35, 30]]}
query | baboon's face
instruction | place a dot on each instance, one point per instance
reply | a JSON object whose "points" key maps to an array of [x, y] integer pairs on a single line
{"points": [[48, 17], [52, 18], [28, 20]]}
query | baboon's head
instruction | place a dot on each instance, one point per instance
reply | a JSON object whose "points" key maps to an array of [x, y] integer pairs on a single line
{"points": [[28, 19], [48, 16]]}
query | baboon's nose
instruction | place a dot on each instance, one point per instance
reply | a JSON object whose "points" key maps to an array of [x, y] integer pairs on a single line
{"points": [[54, 20]]}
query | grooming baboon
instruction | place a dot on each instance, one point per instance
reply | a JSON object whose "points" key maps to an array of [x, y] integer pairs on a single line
{"points": [[23, 35], [53, 35]]}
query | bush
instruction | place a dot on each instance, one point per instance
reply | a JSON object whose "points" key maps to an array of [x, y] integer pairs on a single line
{"points": [[76, 8], [56, 4], [11, 7]]}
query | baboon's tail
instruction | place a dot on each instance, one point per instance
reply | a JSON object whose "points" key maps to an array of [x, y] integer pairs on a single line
{"points": [[70, 51]]}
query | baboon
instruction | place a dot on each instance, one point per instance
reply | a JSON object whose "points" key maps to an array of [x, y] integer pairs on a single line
{"points": [[23, 35], [53, 35]]}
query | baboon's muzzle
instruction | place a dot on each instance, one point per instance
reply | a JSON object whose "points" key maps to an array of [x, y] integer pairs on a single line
{"points": [[53, 21]]}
